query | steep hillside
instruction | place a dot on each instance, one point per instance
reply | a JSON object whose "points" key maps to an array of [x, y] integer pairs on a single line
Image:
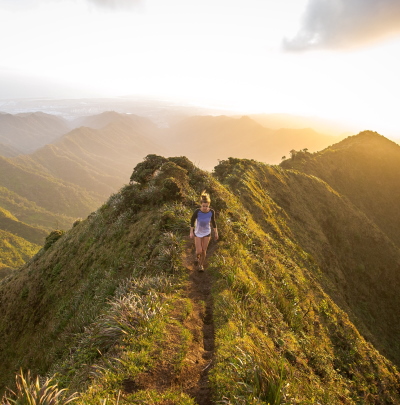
{"points": [[29, 131], [26, 226], [206, 140], [114, 308], [359, 265], [366, 169]]}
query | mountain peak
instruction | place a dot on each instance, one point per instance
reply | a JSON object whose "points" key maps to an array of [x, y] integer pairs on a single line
{"points": [[367, 138]]}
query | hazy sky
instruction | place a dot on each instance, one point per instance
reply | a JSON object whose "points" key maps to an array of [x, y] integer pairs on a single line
{"points": [[332, 58]]}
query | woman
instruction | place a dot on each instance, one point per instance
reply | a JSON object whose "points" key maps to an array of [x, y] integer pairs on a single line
{"points": [[202, 218]]}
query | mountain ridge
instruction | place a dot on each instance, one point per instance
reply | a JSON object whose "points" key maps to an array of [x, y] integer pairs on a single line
{"points": [[124, 279], [365, 169], [28, 131]]}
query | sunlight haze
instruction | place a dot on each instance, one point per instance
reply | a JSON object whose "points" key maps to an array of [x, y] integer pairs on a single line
{"points": [[252, 57]]}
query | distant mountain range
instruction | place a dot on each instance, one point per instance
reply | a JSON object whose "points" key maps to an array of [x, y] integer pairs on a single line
{"points": [[290, 121], [73, 166], [206, 140]]}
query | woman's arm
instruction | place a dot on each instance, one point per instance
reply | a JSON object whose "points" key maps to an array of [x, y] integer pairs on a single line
{"points": [[214, 224], [192, 222]]}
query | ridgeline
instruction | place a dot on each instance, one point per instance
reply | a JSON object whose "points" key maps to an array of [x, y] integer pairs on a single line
{"points": [[297, 305]]}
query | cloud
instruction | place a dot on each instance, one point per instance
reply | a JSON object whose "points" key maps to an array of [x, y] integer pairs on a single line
{"points": [[116, 4], [342, 24]]}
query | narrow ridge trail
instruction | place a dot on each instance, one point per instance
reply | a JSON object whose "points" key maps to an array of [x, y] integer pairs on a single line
{"points": [[199, 292], [192, 377]]}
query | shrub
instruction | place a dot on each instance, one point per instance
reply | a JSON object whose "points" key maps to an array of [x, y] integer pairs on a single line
{"points": [[52, 238], [77, 222], [143, 171]]}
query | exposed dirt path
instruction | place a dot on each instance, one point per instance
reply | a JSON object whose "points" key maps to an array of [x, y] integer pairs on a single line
{"points": [[192, 375], [199, 292]]}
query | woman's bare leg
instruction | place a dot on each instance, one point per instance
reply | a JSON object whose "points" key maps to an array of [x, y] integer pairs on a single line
{"points": [[204, 245], [199, 249]]}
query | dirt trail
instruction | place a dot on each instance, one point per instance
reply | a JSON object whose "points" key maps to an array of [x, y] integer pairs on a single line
{"points": [[192, 376], [199, 292]]}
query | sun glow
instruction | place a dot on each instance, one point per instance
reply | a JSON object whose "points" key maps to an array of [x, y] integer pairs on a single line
{"points": [[223, 53]]}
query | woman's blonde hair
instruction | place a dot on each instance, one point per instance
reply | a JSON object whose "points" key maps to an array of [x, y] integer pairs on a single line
{"points": [[205, 197]]}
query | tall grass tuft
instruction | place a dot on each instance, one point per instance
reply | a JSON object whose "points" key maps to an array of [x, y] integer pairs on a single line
{"points": [[29, 391], [261, 374], [126, 315]]}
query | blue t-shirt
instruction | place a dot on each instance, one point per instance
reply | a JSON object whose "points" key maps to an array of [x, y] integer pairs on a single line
{"points": [[203, 221]]}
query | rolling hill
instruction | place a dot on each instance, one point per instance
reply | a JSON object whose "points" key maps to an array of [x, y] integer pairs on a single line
{"points": [[10, 223], [115, 309], [98, 160], [30, 213], [69, 178], [54, 195], [8, 151], [14, 252], [28, 131]]}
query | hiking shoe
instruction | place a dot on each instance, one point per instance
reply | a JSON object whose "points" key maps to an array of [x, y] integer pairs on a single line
{"points": [[196, 262], [201, 268]]}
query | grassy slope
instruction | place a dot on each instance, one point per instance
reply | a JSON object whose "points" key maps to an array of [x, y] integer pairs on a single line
{"points": [[10, 223], [18, 242], [279, 337], [30, 213], [14, 251], [365, 168], [48, 192], [359, 263], [26, 226]]}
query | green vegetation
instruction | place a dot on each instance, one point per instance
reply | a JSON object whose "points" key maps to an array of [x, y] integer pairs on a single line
{"points": [[10, 223], [365, 169], [107, 311], [355, 263], [15, 251], [30, 213], [51, 193]]}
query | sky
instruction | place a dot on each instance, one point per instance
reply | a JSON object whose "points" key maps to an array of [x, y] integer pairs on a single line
{"points": [[336, 59]]}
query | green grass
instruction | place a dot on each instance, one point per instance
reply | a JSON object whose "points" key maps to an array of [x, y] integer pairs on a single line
{"points": [[14, 250]]}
